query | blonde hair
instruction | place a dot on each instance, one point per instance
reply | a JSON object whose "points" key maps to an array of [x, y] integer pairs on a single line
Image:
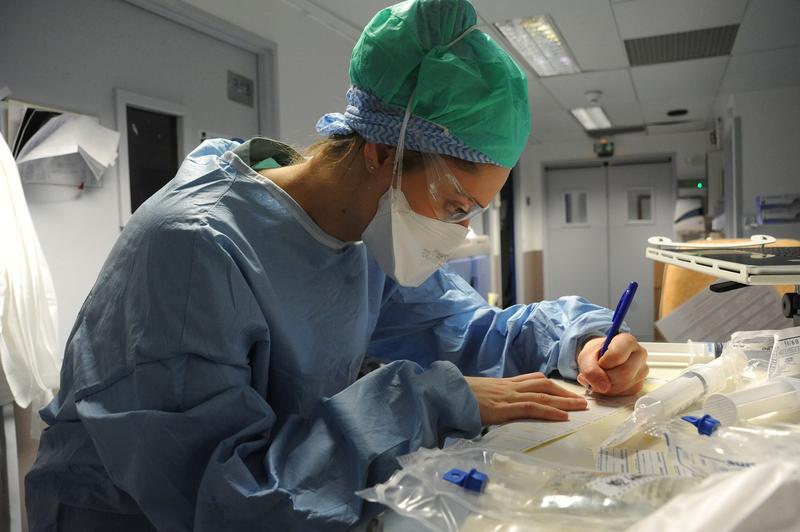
{"points": [[340, 150], [334, 151]]}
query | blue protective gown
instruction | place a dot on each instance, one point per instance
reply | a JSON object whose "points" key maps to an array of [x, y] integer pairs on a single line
{"points": [[209, 382]]}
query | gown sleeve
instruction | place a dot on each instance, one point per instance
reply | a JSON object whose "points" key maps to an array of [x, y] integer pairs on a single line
{"points": [[184, 425], [446, 319]]}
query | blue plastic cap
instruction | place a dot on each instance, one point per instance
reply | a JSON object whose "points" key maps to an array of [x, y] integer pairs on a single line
{"points": [[472, 481], [476, 481], [706, 425], [456, 476]]}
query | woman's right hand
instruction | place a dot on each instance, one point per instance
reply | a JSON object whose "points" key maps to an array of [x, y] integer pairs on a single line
{"points": [[529, 396]]}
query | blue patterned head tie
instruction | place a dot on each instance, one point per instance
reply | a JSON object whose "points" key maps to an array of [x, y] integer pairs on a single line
{"points": [[368, 116]]}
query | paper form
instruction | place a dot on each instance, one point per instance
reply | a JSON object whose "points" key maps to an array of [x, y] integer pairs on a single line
{"points": [[644, 462], [639, 462], [525, 435], [691, 461]]}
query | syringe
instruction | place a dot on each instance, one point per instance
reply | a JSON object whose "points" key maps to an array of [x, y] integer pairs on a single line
{"points": [[780, 394], [681, 355]]}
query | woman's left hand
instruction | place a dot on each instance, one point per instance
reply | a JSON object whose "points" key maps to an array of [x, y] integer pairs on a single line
{"points": [[620, 371]]}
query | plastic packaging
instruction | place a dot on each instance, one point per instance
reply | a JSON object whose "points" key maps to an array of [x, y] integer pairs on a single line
{"points": [[521, 490], [676, 395], [729, 447], [667, 354], [785, 358], [782, 393], [758, 346], [763, 497]]}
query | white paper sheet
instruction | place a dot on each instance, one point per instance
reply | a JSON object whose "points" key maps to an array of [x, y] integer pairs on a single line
{"points": [[525, 435]]}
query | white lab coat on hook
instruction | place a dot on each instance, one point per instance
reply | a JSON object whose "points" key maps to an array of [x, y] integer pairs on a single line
{"points": [[28, 332]]}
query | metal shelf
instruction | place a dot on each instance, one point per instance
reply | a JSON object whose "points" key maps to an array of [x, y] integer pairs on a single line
{"points": [[730, 271]]}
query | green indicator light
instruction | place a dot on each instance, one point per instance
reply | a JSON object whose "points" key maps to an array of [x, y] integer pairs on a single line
{"points": [[699, 185]]}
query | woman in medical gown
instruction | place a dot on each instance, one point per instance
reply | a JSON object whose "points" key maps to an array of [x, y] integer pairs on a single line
{"points": [[210, 380]]}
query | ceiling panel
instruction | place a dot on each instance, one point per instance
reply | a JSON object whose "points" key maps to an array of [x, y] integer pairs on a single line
{"points": [[644, 18], [623, 114], [697, 78], [769, 24], [698, 109], [540, 99], [570, 90], [763, 70], [555, 126], [591, 34], [618, 98], [356, 13]]}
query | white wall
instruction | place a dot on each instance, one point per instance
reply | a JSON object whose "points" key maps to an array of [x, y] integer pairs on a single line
{"points": [[72, 55], [770, 149], [312, 61]]}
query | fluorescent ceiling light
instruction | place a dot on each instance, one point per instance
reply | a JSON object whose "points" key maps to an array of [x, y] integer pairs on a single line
{"points": [[591, 118], [538, 41]]}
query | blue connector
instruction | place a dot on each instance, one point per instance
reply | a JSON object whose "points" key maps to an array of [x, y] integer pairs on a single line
{"points": [[456, 476], [706, 425], [472, 481], [476, 481]]}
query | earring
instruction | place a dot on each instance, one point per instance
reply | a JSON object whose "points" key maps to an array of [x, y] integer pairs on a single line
{"points": [[371, 167]]}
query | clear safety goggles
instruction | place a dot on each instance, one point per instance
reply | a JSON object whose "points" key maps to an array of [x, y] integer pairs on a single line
{"points": [[450, 202]]}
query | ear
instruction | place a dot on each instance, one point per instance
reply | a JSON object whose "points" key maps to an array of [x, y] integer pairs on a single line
{"points": [[377, 155]]}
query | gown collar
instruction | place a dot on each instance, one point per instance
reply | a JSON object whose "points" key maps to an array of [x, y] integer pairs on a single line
{"points": [[257, 149]]}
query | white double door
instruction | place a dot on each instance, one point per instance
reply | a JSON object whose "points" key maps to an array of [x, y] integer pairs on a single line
{"points": [[597, 221]]}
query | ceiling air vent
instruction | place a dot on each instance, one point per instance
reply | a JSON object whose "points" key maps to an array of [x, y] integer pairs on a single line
{"points": [[709, 42]]}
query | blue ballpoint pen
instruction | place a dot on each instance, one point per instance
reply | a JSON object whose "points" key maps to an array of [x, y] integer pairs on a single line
{"points": [[618, 317]]}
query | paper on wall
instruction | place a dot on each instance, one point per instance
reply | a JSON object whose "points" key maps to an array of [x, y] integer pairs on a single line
{"points": [[525, 435], [64, 149]]}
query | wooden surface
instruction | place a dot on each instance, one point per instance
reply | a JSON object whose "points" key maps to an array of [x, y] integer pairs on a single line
{"points": [[534, 276], [680, 285]]}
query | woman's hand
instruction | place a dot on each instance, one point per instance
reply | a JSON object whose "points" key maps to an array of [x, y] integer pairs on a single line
{"points": [[620, 371], [529, 396]]}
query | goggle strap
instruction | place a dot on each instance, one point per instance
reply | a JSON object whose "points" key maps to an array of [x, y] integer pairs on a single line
{"points": [[401, 142]]}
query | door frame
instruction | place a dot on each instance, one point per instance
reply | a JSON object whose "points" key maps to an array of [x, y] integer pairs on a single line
{"points": [[510, 255], [125, 99]]}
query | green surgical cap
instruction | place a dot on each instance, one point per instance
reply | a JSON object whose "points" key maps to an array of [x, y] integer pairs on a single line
{"points": [[473, 88]]}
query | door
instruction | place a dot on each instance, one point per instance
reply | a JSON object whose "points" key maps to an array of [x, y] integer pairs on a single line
{"points": [[597, 222], [575, 250], [508, 275], [641, 204], [153, 154]]}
